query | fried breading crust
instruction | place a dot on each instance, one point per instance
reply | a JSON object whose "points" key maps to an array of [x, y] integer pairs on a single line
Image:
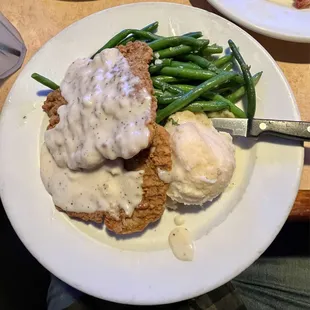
{"points": [[139, 55], [158, 155], [53, 101], [152, 206]]}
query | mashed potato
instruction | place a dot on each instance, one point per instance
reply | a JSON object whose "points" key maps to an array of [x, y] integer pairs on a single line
{"points": [[203, 159]]}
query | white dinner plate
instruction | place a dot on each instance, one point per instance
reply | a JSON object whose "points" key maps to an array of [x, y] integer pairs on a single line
{"points": [[230, 233], [274, 18]]}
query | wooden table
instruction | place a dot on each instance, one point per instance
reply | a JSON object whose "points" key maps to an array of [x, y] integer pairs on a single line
{"points": [[38, 21]]}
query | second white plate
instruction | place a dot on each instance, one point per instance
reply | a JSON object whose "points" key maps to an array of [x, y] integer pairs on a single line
{"points": [[272, 19]]}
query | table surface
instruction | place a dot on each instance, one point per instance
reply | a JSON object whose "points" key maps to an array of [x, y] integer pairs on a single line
{"points": [[38, 21]]}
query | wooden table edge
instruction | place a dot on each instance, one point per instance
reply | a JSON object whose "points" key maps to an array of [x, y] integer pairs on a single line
{"points": [[301, 208]]}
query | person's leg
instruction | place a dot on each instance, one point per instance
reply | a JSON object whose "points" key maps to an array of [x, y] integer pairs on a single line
{"points": [[276, 283], [60, 295]]}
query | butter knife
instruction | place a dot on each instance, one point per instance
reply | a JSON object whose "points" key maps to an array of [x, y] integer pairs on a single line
{"points": [[255, 127]]}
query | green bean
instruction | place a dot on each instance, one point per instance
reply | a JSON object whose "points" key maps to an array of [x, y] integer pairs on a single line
{"points": [[185, 88], [227, 67], [170, 79], [143, 34], [227, 89], [208, 95], [213, 49], [161, 63], [122, 35], [193, 94], [249, 85], [150, 28], [239, 93], [114, 41], [165, 86], [204, 43], [167, 99], [162, 95], [44, 81], [163, 43], [223, 60], [158, 93], [173, 51], [201, 62], [167, 62], [215, 97], [232, 107], [192, 74], [207, 106], [195, 74], [224, 87], [195, 34], [182, 64]]}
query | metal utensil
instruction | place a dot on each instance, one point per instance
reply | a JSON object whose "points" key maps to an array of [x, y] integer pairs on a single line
{"points": [[255, 127]]}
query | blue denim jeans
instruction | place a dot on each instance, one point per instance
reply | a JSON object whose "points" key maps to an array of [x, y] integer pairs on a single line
{"points": [[270, 283], [276, 283], [60, 295]]}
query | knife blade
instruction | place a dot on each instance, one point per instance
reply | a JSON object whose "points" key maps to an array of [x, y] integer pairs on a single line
{"points": [[295, 130]]}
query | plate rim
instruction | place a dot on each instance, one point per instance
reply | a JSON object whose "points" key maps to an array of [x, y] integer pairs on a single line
{"points": [[36, 254], [258, 29]]}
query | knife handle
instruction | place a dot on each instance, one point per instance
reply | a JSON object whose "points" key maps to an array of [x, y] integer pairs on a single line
{"points": [[285, 129]]}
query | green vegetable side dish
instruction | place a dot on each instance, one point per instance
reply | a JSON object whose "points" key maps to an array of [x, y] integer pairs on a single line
{"points": [[187, 74], [150, 28], [44, 81], [249, 84], [163, 43], [173, 51], [192, 95], [223, 60], [190, 74], [214, 97], [123, 34], [207, 106], [227, 67]]}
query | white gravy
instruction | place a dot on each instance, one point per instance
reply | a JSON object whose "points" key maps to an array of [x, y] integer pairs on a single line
{"points": [[105, 117], [181, 244], [179, 220], [108, 188]]}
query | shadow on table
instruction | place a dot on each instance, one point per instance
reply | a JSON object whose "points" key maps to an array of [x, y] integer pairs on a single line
{"points": [[307, 160], [2, 81], [203, 4], [280, 50], [293, 240], [307, 157]]}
